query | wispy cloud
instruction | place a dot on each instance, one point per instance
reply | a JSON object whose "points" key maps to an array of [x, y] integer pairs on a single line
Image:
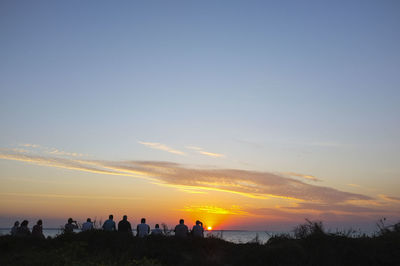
{"points": [[69, 196], [339, 208], [36, 148], [196, 148], [211, 154], [342, 213], [20, 150], [159, 146], [234, 210], [29, 145], [64, 153], [243, 182], [354, 185], [359, 187], [390, 198], [57, 162], [206, 153], [307, 177]]}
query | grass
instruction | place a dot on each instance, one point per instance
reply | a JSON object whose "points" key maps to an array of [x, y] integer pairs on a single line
{"points": [[309, 245]]}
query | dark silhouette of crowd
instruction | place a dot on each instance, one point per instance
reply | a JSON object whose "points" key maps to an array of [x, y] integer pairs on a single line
{"points": [[124, 226], [23, 229]]}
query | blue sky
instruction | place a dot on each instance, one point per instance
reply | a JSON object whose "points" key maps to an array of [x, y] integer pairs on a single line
{"points": [[310, 87]]}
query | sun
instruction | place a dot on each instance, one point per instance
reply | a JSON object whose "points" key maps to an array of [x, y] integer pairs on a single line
{"points": [[209, 228]]}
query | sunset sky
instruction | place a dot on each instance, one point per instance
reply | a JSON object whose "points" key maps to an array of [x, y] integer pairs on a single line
{"points": [[243, 114]]}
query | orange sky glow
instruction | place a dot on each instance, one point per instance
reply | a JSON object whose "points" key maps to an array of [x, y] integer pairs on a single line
{"points": [[57, 187]]}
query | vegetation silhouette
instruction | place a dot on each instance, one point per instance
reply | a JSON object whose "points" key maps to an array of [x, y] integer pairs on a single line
{"points": [[310, 244]]}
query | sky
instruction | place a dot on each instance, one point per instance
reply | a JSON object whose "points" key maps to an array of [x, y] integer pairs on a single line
{"points": [[243, 114]]}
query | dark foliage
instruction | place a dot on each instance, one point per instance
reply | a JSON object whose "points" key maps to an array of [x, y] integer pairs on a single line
{"points": [[310, 245]]}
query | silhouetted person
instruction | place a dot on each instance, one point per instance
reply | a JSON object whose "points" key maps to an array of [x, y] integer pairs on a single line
{"points": [[37, 230], [109, 225], [70, 226], [88, 225], [23, 230], [157, 231], [143, 229], [181, 230], [14, 229], [124, 225], [198, 230]]}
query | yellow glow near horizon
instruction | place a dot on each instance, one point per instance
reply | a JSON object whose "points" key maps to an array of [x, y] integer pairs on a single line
{"points": [[209, 228], [214, 216]]}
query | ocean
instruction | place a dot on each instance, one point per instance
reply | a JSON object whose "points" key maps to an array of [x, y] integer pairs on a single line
{"points": [[234, 236]]}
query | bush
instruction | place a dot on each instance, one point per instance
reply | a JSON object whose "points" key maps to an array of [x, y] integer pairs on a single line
{"points": [[309, 229], [310, 245]]}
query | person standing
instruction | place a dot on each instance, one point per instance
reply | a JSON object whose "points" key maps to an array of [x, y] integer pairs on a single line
{"points": [[124, 225], [109, 225], [181, 230], [37, 230], [143, 229], [23, 230], [14, 229], [156, 231], [198, 230], [70, 226], [88, 225]]}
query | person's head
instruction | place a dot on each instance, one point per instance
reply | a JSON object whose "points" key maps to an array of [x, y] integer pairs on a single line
{"points": [[157, 226], [70, 220], [88, 220], [181, 221], [198, 222], [39, 222], [125, 218], [111, 217], [16, 223], [24, 223], [143, 220]]}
